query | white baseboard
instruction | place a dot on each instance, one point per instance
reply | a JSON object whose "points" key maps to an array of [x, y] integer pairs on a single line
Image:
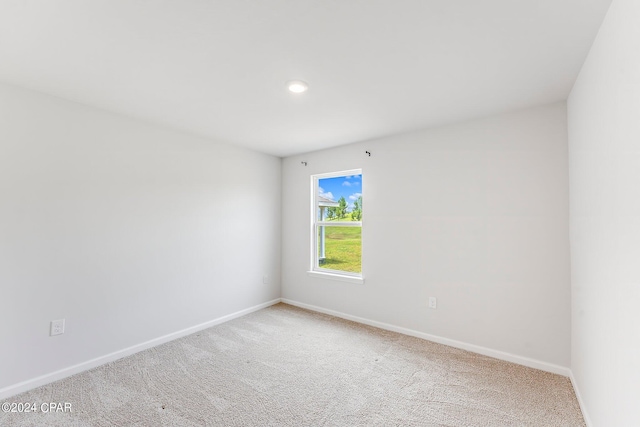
{"points": [[12, 390], [520, 360], [583, 408]]}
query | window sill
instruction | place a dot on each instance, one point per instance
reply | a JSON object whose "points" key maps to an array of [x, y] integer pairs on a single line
{"points": [[338, 277]]}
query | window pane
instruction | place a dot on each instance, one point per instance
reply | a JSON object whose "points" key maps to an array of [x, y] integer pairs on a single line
{"points": [[340, 198], [340, 248]]}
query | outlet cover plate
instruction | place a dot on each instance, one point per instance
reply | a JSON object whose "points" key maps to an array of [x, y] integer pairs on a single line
{"points": [[57, 327]]}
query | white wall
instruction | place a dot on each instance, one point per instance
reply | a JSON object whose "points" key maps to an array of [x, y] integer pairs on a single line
{"points": [[604, 159], [475, 214], [127, 230]]}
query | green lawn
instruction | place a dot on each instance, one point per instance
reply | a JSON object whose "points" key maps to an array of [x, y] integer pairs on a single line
{"points": [[343, 249]]}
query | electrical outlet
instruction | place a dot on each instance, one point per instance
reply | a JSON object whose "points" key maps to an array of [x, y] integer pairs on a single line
{"points": [[265, 279], [433, 302], [57, 327]]}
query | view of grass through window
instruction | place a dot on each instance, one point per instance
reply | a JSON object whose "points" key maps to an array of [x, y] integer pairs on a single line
{"points": [[343, 249], [340, 201]]}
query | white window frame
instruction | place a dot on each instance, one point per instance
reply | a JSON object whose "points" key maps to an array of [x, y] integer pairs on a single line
{"points": [[315, 269]]}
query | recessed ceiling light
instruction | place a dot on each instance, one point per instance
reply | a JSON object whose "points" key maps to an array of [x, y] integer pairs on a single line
{"points": [[297, 86]]}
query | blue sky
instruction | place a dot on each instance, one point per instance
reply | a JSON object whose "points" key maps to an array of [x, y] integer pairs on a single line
{"points": [[349, 187]]}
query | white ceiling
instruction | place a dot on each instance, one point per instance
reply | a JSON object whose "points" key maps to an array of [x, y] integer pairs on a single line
{"points": [[375, 67]]}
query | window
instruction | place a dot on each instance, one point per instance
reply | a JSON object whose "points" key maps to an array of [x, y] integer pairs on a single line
{"points": [[336, 250]]}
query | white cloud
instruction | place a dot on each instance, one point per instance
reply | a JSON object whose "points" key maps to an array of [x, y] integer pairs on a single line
{"points": [[328, 195], [321, 193], [346, 184], [355, 196]]}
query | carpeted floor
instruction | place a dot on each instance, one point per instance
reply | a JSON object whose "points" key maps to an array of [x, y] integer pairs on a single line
{"points": [[284, 366]]}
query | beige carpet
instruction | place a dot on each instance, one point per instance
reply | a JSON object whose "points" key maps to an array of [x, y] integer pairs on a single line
{"points": [[283, 366]]}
